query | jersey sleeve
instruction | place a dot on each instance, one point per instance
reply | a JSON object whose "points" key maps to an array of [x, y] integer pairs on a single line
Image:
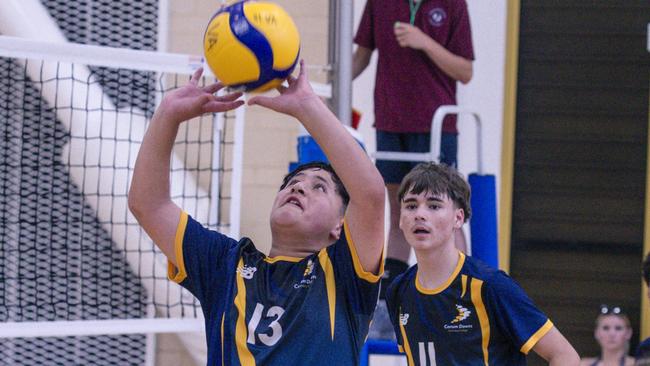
{"points": [[361, 287], [201, 255], [365, 36], [643, 351], [514, 312], [460, 39]]}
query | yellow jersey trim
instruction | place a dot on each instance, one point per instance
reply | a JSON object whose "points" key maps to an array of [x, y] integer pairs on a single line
{"points": [[532, 341], [407, 348], [441, 288], [400, 348], [358, 268], [241, 332], [477, 300], [178, 274], [330, 284], [223, 317], [284, 258], [463, 282]]}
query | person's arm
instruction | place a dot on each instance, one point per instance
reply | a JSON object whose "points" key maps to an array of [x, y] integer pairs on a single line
{"points": [[149, 197], [360, 60], [365, 213], [555, 349], [457, 67]]}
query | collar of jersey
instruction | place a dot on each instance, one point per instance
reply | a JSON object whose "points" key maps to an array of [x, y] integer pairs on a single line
{"points": [[441, 288], [283, 258]]}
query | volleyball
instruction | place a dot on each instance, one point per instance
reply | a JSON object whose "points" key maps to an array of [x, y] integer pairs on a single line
{"points": [[251, 45]]}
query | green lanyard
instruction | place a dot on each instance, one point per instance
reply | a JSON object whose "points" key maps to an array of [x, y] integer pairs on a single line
{"points": [[414, 5]]}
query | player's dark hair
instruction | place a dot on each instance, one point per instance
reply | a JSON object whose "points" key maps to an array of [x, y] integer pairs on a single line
{"points": [[646, 269], [439, 180], [340, 188]]}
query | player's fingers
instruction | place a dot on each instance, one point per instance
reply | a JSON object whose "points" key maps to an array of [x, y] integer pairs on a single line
{"points": [[260, 100], [222, 106], [229, 97], [281, 89], [213, 88], [196, 76], [303, 70]]}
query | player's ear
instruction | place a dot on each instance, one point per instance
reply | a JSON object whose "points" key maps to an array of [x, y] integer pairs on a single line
{"points": [[459, 218], [335, 234]]}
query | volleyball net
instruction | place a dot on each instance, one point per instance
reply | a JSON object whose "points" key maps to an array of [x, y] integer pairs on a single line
{"points": [[76, 269]]}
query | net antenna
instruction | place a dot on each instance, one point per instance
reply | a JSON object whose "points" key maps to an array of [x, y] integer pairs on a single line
{"points": [[100, 155]]}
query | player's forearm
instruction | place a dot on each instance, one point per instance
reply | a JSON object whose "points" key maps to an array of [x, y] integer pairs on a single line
{"points": [[360, 60], [456, 67], [569, 358], [351, 163], [556, 349], [150, 184]]}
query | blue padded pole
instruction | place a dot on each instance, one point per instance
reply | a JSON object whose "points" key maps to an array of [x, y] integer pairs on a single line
{"points": [[483, 224]]}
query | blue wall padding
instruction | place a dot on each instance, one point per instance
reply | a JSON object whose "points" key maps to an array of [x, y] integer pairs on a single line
{"points": [[377, 347], [483, 223], [308, 151]]}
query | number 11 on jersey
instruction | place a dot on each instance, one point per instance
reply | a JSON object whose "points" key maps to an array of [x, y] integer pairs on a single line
{"points": [[430, 350]]}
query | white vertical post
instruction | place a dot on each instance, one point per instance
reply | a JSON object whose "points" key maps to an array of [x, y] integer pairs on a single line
{"points": [[214, 214], [163, 25], [237, 166], [344, 67], [150, 347]]}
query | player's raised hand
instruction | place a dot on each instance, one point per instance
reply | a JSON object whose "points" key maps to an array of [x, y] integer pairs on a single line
{"points": [[192, 100], [292, 99], [408, 35]]}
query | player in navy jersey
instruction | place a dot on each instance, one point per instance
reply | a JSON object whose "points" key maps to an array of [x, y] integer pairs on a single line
{"points": [[451, 309], [311, 300], [643, 350]]}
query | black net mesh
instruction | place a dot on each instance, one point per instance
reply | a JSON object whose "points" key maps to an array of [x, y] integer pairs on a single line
{"points": [[118, 23], [59, 258]]}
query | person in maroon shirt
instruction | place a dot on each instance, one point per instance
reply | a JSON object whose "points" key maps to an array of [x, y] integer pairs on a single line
{"points": [[424, 47]]}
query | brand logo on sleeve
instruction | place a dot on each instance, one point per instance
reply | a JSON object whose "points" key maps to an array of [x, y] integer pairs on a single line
{"points": [[246, 272], [404, 319]]}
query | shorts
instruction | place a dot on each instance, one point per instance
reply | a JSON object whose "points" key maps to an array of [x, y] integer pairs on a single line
{"points": [[394, 171]]}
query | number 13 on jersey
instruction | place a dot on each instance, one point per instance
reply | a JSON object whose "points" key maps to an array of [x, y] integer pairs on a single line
{"points": [[275, 312]]}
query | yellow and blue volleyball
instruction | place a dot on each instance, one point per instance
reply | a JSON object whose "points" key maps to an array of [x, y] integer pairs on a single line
{"points": [[251, 45]]}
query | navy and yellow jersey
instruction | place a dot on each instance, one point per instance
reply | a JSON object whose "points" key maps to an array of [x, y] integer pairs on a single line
{"points": [[276, 311], [479, 316], [643, 353]]}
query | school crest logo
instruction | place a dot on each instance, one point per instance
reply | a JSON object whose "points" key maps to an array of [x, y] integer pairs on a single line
{"points": [[309, 269], [308, 276], [437, 17], [463, 313], [246, 272], [456, 324]]}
